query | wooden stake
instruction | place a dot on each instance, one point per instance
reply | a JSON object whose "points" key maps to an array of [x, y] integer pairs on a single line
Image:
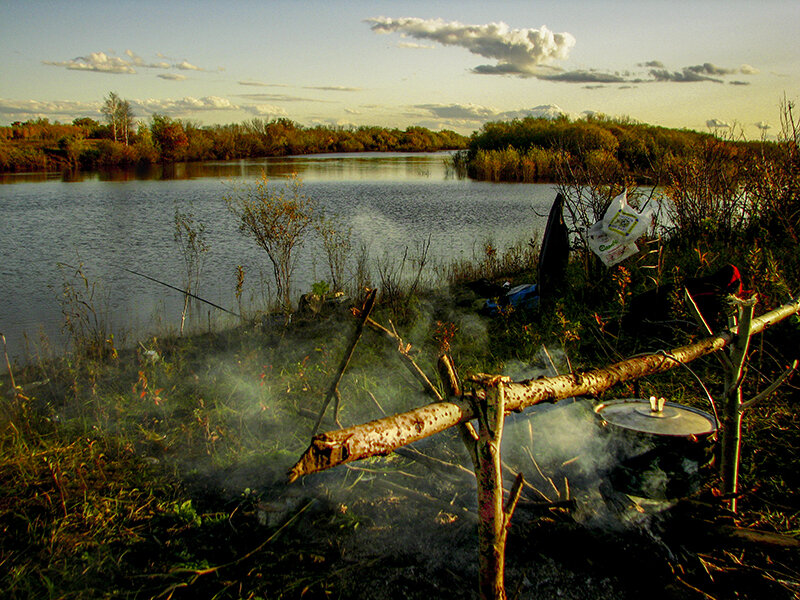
{"points": [[732, 403], [334, 389], [494, 518], [491, 524], [385, 435], [733, 406]]}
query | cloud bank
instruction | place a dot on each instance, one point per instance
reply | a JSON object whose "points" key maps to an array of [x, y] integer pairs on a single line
{"points": [[20, 110], [530, 53], [473, 115], [100, 62], [27, 109], [518, 51]]}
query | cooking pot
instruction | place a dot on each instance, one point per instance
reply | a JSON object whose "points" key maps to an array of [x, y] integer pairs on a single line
{"points": [[661, 449]]}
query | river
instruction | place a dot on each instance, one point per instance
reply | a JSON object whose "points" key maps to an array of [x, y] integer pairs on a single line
{"points": [[117, 221]]}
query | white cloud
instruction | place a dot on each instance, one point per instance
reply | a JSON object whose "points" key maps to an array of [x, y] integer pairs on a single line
{"points": [[415, 46], [280, 98], [546, 111], [138, 61], [531, 52], [474, 113], [265, 110], [19, 110], [98, 62], [331, 88], [518, 51], [717, 124], [470, 112], [171, 76], [763, 125], [188, 104], [187, 66]]}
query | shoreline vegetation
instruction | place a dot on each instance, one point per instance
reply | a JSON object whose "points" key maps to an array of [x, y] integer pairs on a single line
{"points": [[529, 150], [38, 145], [158, 470]]}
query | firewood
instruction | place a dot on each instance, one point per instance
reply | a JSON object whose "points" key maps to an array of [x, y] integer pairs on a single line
{"points": [[385, 435], [333, 391]]}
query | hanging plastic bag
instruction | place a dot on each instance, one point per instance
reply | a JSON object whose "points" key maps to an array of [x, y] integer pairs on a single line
{"points": [[625, 223], [613, 238], [608, 248]]}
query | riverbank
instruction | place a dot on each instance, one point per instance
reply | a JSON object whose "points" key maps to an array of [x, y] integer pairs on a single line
{"points": [[160, 471]]}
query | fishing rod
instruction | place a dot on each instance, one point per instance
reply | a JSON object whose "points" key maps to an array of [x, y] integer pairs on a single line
{"points": [[217, 306]]}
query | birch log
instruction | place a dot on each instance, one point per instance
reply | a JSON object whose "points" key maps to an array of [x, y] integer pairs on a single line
{"points": [[384, 435]]}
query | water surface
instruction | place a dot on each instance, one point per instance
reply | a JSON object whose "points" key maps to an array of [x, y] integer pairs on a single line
{"points": [[124, 219]]}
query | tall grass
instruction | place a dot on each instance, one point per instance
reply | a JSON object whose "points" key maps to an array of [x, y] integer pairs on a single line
{"points": [[139, 471]]}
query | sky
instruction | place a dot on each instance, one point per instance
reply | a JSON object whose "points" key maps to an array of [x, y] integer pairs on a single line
{"points": [[701, 64]]}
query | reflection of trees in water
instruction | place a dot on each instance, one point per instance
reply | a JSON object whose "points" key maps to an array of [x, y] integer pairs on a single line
{"points": [[328, 166]]}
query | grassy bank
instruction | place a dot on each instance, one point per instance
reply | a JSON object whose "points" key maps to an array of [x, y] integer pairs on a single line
{"points": [[159, 471]]}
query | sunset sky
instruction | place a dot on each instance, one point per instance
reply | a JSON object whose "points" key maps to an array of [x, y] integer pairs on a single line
{"points": [[703, 64]]}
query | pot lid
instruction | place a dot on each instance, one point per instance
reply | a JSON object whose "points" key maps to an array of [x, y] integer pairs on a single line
{"points": [[655, 416]]}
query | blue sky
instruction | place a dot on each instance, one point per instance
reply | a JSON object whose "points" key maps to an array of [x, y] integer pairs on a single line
{"points": [[699, 65]]}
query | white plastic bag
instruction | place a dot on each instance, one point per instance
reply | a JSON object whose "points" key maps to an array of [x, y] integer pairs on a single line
{"points": [[624, 222], [608, 248], [613, 238]]}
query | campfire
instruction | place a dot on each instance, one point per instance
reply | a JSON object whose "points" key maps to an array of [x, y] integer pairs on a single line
{"points": [[487, 400]]}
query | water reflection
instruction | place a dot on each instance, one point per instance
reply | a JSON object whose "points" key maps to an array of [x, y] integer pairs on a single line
{"points": [[361, 166], [124, 219]]}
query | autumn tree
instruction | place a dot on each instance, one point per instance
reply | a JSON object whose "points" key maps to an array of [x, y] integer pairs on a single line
{"points": [[190, 237], [168, 135], [119, 115], [279, 221]]}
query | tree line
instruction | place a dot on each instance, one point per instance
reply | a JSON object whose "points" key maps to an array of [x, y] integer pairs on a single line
{"points": [[119, 140], [553, 150]]}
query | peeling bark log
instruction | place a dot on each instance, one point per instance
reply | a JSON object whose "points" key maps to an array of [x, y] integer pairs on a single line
{"points": [[384, 435]]}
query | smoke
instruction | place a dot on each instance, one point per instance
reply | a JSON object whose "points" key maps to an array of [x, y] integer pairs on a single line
{"points": [[566, 454], [418, 505]]}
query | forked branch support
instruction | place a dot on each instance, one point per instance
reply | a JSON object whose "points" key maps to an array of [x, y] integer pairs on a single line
{"points": [[383, 436]]}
